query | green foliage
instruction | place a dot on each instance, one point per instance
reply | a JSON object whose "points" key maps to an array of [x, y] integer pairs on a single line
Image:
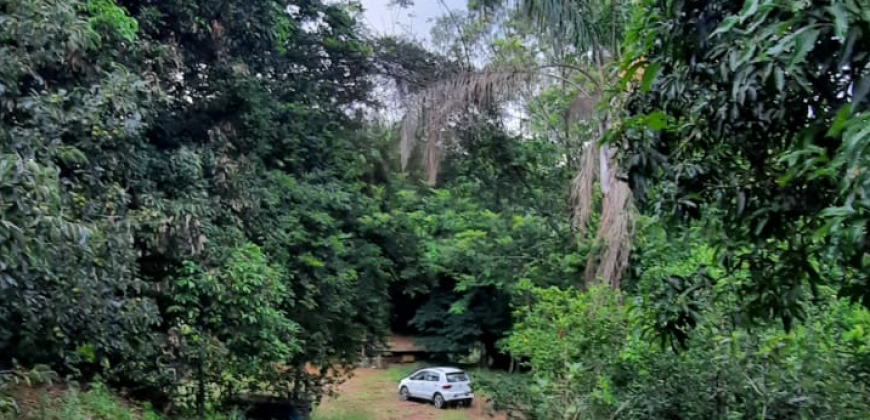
{"points": [[495, 210], [114, 18], [588, 361], [571, 340], [230, 326], [319, 229], [507, 247], [595, 25], [96, 402], [593, 354], [673, 270], [67, 257], [761, 128], [200, 223], [17, 377], [575, 324]]}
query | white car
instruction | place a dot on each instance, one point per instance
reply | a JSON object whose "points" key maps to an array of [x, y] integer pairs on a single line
{"points": [[442, 386]]}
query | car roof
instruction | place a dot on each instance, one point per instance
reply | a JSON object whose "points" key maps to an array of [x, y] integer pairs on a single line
{"points": [[446, 369]]}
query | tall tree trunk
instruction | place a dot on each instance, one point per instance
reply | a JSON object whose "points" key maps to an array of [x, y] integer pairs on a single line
{"points": [[200, 388], [200, 368], [498, 360], [297, 382]]}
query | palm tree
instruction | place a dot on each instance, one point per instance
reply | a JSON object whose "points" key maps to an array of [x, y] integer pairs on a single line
{"points": [[592, 29]]}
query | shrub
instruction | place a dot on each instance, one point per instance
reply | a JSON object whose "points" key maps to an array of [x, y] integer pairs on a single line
{"points": [[590, 360]]}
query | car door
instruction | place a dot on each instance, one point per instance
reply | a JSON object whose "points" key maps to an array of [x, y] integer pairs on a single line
{"points": [[431, 385], [416, 384]]}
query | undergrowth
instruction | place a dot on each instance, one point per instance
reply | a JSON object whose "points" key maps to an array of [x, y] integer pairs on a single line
{"points": [[94, 402], [341, 415]]}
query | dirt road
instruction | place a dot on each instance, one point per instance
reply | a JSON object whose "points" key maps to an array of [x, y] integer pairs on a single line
{"points": [[371, 395]]}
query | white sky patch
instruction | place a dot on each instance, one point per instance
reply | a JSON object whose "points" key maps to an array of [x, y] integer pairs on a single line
{"points": [[415, 21]]}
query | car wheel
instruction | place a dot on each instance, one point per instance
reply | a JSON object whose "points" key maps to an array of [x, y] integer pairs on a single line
{"points": [[404, 394], [438, 401]]}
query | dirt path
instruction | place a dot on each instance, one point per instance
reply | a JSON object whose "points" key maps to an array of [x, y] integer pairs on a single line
{"points": [[371, 395]]}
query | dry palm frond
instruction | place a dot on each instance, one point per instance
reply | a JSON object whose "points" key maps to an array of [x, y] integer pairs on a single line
{"points": [[615, 226], [407, 134], [582, 189], [614, 237], [615, 230], [582, 107], [436, 108]]}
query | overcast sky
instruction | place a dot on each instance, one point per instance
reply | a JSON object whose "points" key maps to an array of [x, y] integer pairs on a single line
{"points": [[416, 20]]}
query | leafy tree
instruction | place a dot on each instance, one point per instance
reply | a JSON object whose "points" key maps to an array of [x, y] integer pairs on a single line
{"points": [[68, 279], [571, 339], [260, 122], [322, 232], [116, 186], [596, 27], [229, 325], [591, 356], [754, 114], [499, 208]]}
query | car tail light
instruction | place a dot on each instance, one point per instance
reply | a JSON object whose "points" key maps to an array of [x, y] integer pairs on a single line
{"points": [[448, 386]]}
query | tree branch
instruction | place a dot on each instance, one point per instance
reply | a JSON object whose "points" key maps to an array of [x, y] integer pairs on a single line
{"points": [[580, 70], [462, 40]]}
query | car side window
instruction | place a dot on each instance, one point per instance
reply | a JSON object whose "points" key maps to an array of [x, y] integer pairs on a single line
{"points": [[432, 377], [419, 377]]}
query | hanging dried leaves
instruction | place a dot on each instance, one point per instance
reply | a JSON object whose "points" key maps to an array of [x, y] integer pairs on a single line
{"points": [[433, 111]]}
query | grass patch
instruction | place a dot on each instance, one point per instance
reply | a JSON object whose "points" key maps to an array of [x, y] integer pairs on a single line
{"points": [[372, 395], [397, 373], [452, 415], [97, 403], [340, 415]]}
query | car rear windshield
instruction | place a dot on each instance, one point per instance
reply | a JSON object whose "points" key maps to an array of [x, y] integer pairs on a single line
{"points": [[457, 377]]}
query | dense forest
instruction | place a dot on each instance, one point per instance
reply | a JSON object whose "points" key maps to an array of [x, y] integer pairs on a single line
{"points": [[649, 209]]}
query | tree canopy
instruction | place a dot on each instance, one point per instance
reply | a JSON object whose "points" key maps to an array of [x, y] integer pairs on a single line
{"points": [[650, 209]]}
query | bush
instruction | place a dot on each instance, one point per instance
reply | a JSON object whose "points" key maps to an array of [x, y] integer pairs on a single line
{"points": [[97, 402], [589, 360], [572, 340]]}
